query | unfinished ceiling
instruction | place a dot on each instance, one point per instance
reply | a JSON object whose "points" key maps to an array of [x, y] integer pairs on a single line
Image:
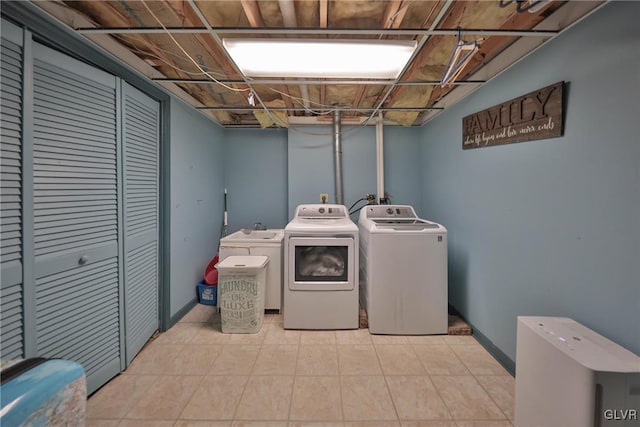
{"points": [[178, 44]]}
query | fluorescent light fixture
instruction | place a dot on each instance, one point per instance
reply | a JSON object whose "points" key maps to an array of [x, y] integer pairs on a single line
{"points": [[375, 59]]}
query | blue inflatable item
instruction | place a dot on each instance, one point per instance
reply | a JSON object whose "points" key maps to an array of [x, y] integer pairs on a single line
{"points": [[42, 392]]}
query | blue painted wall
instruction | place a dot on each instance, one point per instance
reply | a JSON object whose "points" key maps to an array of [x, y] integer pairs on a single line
{"points": [[197, 184], [311, 164], [402, 167], [263, 181], [549, 227], [255, 163]]}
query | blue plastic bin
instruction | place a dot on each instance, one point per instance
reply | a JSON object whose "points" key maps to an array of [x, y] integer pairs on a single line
{"points": [[207, 294]]}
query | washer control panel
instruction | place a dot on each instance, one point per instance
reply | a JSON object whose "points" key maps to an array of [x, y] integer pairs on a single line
{"points": [[390, 211]]}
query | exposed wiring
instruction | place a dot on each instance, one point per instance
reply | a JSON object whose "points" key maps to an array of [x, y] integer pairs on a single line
{"points": [[275, 120], [189, 56], [300, 101], [531, 6], [353, 129], [168, 52], [404, 6], [208, 73], [392, 18], [371, 116], [357, 209], [356, 202], [369, 198], [195, 73]]}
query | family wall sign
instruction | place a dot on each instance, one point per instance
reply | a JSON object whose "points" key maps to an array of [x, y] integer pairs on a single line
{"points": [[536, 115]]}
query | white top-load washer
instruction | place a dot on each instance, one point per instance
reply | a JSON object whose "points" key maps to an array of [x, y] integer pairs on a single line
{"points": [[321, 269], [403, 264]]}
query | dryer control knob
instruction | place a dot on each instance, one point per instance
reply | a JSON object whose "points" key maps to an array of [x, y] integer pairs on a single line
{"points": [[390, 211], [321, 210]]}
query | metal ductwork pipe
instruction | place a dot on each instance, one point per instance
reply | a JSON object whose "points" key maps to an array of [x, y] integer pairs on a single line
{"points": [[337, 155]]}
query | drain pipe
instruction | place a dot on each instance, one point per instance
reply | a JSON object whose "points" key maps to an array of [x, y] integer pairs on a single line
{"points": [[380, 158], [337, 155]]}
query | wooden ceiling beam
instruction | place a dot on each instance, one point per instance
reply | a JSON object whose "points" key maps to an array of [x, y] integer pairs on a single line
{"points": [[110, 14], [395, 13], [207, 41], [287, 100], [189, 18], [427, 19], [392, 18], [450, 20], [389, 13], [252, 10], [323, 9], [114, 16], [254, 16]]}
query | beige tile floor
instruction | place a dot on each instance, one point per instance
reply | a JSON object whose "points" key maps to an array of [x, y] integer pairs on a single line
{"points": [[195, 376]]}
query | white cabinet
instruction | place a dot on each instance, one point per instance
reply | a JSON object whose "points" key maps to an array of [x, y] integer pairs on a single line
{"points": [[260, 242]]}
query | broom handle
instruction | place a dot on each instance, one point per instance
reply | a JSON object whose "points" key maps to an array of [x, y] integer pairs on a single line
{"points": [[225, 208], [225, 222]]}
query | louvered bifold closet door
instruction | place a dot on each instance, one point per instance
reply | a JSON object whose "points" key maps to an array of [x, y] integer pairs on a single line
{"points": [[140, 117], [11, 293], [76, 215]]}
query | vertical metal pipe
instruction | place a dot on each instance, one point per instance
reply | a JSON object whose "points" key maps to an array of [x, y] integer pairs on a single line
{"points": [[380, 157], [337, 155]]}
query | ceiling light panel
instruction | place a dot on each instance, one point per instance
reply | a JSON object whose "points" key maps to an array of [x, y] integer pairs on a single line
{"points": [[370, 59]]}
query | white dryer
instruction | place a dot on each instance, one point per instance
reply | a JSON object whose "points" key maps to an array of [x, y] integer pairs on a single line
{"points": [[321, 269], [403, 268]]}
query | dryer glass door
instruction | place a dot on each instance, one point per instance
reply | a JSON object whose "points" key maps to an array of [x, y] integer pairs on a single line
{"points": [[321, 263]]}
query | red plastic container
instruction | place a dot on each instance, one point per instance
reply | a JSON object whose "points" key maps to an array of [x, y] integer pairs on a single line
{"points": [[211, 273]]}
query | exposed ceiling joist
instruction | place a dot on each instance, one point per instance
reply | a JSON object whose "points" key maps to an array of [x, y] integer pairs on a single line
{"points": [[217, 39], [252, 10], [211, 79], [515, 52], [416, 53]]}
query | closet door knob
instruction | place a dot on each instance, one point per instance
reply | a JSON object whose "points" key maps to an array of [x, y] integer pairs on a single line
{"points": [[83, 260]]}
